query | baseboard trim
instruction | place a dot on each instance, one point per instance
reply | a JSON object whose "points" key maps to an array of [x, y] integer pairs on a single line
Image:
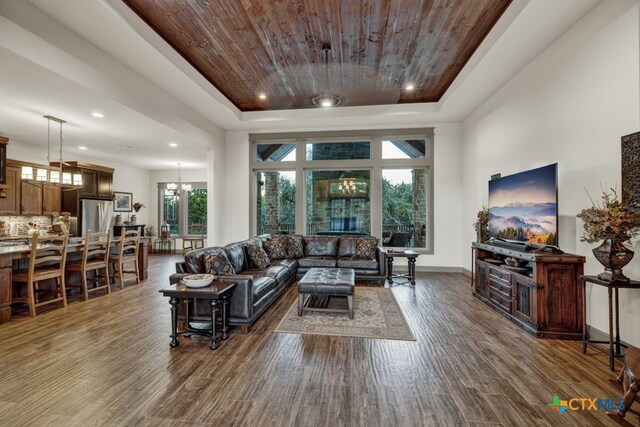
{"points": [[466, 272], [430, 269]]}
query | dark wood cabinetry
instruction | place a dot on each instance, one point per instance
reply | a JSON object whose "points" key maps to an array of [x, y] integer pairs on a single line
{"points": [[544, 297], [30, 198], [5, 288], [97, 181], [10, 204], [51, 199]]}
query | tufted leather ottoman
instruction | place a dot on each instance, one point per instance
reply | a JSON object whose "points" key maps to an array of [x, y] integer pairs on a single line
{"points": [[327, 282]]}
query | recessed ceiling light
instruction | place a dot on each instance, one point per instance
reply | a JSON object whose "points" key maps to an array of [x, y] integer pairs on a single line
{"points": [[409, 87], [262, 95], [173, 144], [82, 147], [96, 114], [126, 147]]}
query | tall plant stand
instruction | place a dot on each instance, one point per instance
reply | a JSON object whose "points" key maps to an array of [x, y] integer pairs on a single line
{"points": [[614, 349]]}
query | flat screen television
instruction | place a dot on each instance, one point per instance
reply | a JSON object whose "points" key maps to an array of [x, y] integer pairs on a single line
{"points": [[523, 207]]}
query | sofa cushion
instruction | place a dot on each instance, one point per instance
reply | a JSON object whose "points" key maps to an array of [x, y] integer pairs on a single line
{"points": [[358, 263], [317, 262], [320, 246], [366, 248], [235, 253], [279, 272], [258, 256], [347, 245], [291, 264], [194, 260], [262, 286], [218, 263], [296, 247], [277, 248]]}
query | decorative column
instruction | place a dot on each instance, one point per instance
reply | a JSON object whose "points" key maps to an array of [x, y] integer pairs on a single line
{"points": [[271, 201], [419, 208]]}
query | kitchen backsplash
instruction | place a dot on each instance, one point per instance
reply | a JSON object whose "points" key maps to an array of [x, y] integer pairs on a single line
{"points": [[23, 223]]}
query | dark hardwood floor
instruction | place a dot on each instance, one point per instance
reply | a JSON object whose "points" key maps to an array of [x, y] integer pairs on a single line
{"points": [[108, 362]]}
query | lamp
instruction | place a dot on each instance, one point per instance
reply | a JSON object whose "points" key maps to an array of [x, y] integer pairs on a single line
{"points": [[178, 188], [43, 175], [326, 99]]}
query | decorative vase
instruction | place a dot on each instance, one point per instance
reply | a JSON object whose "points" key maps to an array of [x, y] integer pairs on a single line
{"points": [[482, 234], [613, 255]]}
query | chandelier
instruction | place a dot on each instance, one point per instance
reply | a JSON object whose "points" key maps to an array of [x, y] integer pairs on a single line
{"points": [[178, 188], [53, 175], [347, 186]]}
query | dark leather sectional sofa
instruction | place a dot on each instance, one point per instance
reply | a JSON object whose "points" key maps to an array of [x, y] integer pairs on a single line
{"points": [[257, 289]]}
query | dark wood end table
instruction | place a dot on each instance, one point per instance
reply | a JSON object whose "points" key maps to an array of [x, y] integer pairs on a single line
{"points": [[411, 261], [615, 345], [216, 293]]}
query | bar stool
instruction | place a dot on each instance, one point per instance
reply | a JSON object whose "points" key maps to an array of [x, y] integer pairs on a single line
{"points": [[46, 262], [95, 257], [127, 253]]}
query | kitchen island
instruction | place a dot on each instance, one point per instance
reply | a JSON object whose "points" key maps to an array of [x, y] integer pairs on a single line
{"points": [[14, 255]]}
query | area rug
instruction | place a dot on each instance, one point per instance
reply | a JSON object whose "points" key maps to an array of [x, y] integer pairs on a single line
{"points": [[376, 314]]}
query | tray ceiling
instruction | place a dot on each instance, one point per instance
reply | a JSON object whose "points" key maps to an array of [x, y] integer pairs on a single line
{"points": [[245, 48]]}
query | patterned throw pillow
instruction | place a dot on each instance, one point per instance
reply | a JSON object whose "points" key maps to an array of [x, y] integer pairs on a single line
{"points": [[217, 263], [366, 248], [296, 249], [258, 256], [277, 248]]}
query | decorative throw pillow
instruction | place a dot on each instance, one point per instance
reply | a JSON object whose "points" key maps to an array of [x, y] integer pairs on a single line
{"points": [[276, 248], [366, 248], [258, 256], [296, 249], [217, 263]]}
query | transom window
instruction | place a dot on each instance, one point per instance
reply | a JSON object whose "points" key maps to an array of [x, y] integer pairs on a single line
{"points": [[353, 182]]}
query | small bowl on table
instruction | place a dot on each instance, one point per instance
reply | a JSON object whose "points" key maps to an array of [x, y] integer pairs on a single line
{"points": [[198, 280]]}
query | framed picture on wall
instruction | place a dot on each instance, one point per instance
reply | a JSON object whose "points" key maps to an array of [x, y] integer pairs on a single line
{"points": [[122, 202], [631, 169]]}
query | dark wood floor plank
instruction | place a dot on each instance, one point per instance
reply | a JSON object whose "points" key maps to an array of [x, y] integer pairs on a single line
{"points": [[108, 362]]}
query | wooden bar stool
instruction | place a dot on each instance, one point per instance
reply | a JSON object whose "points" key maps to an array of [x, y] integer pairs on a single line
{"points": [[127, 253], [46, 262], [95, 257]]}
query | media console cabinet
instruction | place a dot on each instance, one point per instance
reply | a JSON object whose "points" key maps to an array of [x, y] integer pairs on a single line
{"points": [[544, 297]]}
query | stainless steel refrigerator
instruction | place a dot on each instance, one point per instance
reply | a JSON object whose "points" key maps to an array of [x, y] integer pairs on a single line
{"points": [[97, 216]]}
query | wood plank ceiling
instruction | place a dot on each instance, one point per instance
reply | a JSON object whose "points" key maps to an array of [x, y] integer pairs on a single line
{"points": [[378, 47]]}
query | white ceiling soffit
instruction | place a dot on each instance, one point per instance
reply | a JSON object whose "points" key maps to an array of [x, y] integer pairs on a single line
{"points": [[53, 66]]}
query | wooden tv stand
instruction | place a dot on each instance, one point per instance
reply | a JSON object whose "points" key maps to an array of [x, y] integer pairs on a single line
{"points": [[543, 298]]}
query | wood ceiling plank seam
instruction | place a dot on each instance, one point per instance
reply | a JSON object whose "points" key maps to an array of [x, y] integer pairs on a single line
{"points": [[382, 60], [311, 43], [413, 52], [286, 63]]}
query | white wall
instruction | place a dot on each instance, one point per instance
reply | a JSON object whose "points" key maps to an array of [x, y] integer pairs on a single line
{"points": [[571, 105], [125, 178], [447, 194]]}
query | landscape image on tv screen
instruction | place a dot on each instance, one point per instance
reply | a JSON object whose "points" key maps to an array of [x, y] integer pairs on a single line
{"points": [[524, 206]]}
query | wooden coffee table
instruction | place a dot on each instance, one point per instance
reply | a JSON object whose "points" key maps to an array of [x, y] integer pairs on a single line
{"points": [[217, 293]]}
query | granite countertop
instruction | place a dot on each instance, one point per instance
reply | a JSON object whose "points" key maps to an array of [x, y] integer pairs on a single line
{"points": [[22, 244]]}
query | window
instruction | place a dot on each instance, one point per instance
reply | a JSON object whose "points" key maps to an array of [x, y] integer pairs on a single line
{"points": [[376, 182], [276, 202], [404, 208], [338, 202], [183, 209]]}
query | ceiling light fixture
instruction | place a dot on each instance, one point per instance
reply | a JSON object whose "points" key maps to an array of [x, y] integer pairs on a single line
{"points": [[326, 99], [81, 147], [173, 144], [178, 189], [409, 87], [98, 115], [262, 96], [55, 175]]}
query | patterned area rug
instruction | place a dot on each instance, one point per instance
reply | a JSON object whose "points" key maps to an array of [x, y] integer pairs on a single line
{"points": [[376, 314]]}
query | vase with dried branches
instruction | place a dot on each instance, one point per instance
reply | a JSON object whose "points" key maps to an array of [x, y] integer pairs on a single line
{"points": [[482, 225], [614, 223]]}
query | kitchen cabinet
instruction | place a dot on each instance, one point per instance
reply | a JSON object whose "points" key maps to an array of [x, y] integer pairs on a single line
{"points": [[10, 204], [97, 181], [30, 198], [51, 199]]}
